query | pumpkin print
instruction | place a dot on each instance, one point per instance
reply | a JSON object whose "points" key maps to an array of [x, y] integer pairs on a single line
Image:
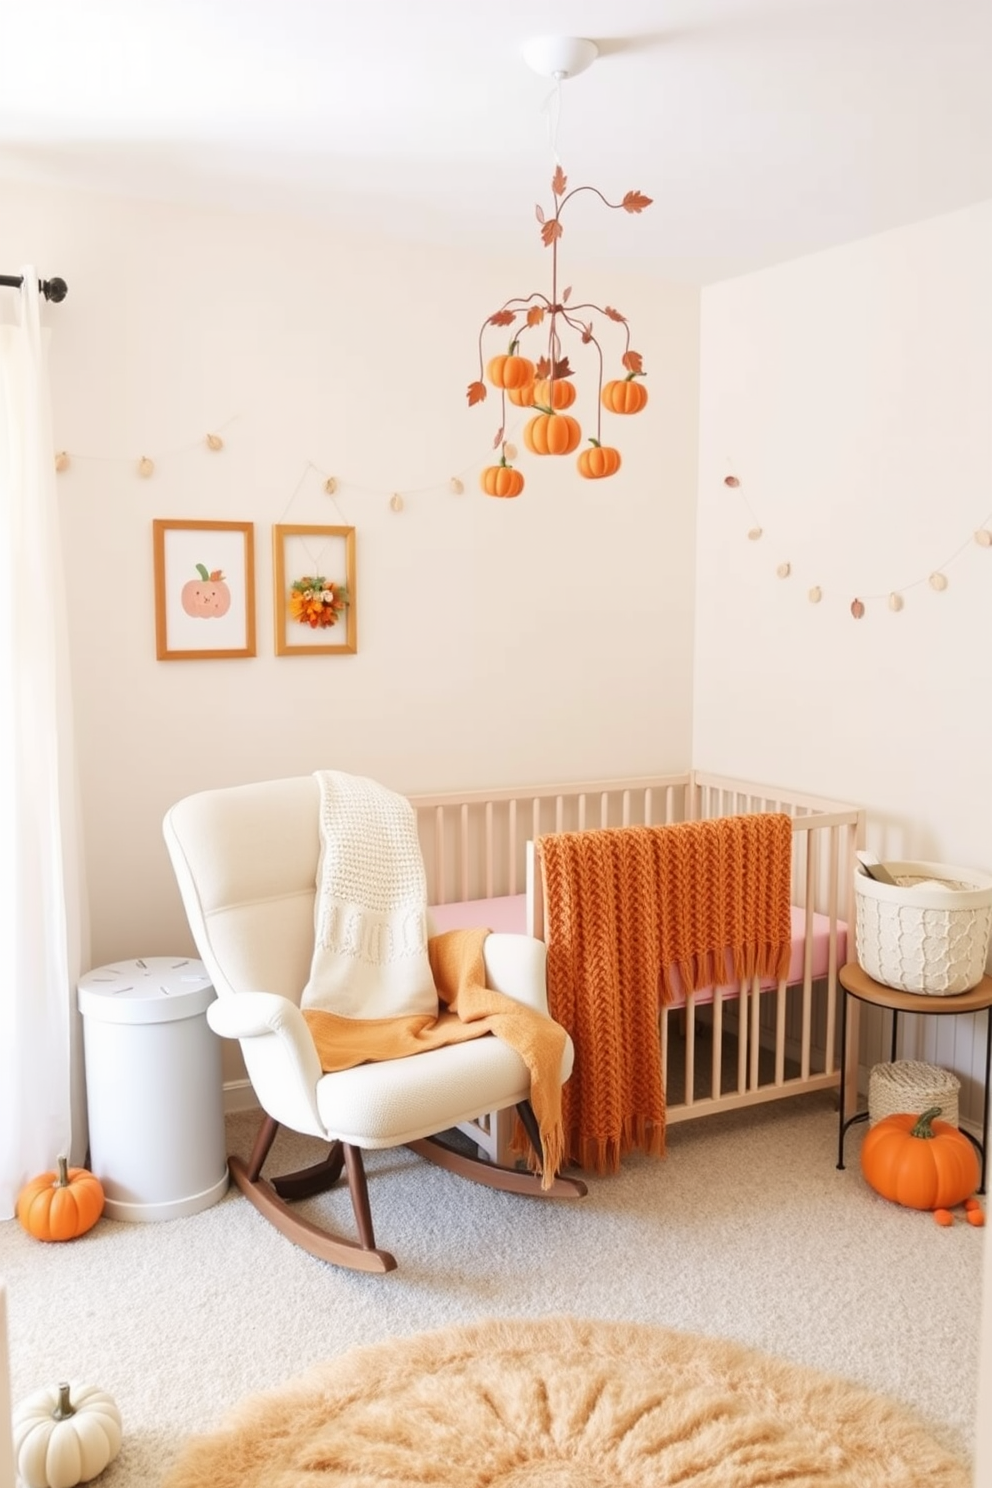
{"points": [[598, 461], [207, 597], [522, 397], [625, 395], [502, 480], [552, 434], [555, 395], [61, 1205]]}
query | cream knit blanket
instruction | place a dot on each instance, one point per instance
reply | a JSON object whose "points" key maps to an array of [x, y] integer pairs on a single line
{"points": [[370, 915]]}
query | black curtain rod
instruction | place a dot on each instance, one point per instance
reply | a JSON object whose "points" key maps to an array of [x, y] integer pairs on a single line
{"points": [[52, 289]]}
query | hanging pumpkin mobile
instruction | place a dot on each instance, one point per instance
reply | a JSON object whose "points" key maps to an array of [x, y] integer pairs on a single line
{"points": [[544, 385]]}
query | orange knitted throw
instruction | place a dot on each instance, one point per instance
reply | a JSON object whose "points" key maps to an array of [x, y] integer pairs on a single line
{"points": [[624, 906]]}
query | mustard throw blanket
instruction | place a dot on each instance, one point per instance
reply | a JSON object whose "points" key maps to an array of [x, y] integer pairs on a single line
{"points": [[623, 907], [473, 1009]]}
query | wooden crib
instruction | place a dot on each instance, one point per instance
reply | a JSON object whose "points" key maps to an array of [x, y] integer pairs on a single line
{"points": [[723, 1048]]}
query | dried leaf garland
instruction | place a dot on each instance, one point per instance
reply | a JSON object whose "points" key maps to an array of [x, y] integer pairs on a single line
{"points": [[815, 594], [214, 442], [731, 480], [857, 609], [535, 315], [145, 466], [754, 534], [476, 393], [330, 485], [456, 486], [502, 318], [396, 502], [938, 581], [61, 461], [559, 181], [895, 602], [784, 570], [510, 451], [635, 201], [551, 232], [983, 537]]}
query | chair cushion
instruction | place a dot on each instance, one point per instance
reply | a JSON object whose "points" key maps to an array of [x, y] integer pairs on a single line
{"points": [[400, 1100]]}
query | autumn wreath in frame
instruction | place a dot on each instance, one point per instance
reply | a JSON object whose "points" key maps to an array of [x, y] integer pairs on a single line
{"points": [[314, 590]]}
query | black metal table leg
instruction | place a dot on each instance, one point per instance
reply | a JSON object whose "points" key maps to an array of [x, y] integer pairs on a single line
{"points": [[843, 1077]]}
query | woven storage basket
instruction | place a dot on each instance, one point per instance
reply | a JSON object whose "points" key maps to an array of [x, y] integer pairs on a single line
{"points": [[924, 939], [909, 1088]]}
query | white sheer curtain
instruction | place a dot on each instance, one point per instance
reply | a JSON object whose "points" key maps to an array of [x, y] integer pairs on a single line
{"points": [[42, 1110]]}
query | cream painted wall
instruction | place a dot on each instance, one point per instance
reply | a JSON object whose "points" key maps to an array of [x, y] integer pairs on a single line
{"points": [[547, 638], [850, 392]]}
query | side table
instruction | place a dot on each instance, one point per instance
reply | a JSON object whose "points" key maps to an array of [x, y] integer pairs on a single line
{"points": [[857, 983]]}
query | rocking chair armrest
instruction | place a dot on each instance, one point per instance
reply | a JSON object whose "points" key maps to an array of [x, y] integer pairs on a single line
{"points": [[279, 1054], [517, 966]]}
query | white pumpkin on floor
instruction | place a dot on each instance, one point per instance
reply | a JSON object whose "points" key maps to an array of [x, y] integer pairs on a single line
{"points": [[65, 1434]]}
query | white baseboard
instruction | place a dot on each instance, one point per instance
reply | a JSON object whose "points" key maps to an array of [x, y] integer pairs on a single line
{"points": [[239, 1096]]}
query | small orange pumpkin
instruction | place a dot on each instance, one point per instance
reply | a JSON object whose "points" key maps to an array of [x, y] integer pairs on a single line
{"points": [[598, 461], [522, 397], [625, 395], [510, 371], [919, 1161], [552, 434], [501, 480], [61, 1205], [556, 395]]}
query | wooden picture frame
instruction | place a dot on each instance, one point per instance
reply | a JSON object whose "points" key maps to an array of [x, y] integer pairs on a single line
{"points": [[304, 553], [204, 589]]}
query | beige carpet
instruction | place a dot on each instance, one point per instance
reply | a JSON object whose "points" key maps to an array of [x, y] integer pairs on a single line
{"points": [[562, 1403]]}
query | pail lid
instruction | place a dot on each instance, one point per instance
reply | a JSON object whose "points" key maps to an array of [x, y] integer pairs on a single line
{"points": [[151, 989]]}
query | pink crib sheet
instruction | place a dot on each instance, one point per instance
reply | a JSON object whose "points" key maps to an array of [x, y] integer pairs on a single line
{"points": [[509, 914]]}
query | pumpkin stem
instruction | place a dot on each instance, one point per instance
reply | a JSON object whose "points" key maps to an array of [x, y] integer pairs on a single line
{"points": [[62, 1181], [65, 1408], [923, 1127], [596, 442]]}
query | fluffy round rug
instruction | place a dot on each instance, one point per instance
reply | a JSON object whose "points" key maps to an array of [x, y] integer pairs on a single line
{"points": [[562, 1403]]}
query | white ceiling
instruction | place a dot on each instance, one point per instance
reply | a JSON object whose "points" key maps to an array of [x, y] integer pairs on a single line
{"points": [[762, 129]]}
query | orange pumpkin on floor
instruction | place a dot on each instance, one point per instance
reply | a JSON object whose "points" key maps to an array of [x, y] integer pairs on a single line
{"points": [[552, 434], [625, 395], [598, 461], [501, 480], [919, 1161], [61, 1205]]}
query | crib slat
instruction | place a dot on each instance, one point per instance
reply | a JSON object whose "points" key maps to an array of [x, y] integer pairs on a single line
{"points": [[781, 1002], [755, 1034], [716, 1082], [742, 1039], [690, 1048]]}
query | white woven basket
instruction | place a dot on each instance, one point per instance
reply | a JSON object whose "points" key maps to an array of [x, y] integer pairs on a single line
{"points": [[909, 1087], [927, 933]]}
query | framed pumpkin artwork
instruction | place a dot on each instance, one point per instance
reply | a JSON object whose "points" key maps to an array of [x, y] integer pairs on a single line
{"points": [[204, 590], [314, 589]]}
